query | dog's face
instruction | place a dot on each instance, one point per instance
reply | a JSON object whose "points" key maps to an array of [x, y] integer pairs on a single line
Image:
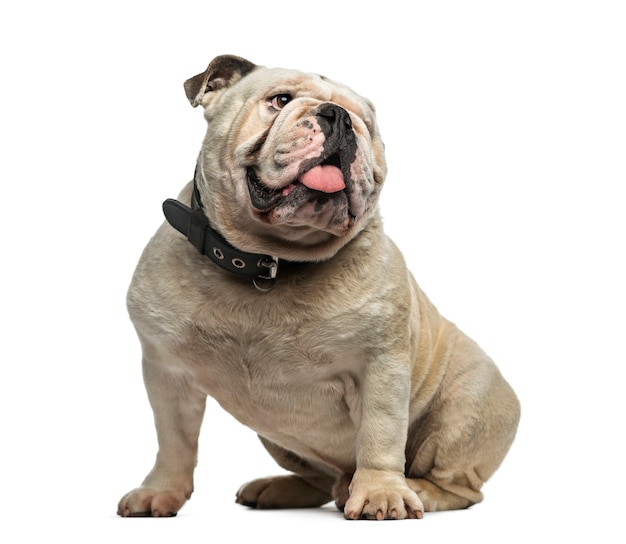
{"points": [[292, 163]]}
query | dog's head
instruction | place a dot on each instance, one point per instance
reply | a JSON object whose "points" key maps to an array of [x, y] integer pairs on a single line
{"points": [[292, 163]]}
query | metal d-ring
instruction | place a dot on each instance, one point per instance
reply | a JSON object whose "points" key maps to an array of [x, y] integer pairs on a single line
{"points": [[258, 282]]}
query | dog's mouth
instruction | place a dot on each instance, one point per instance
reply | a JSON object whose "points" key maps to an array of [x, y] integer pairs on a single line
{"points": [[319, 181]]}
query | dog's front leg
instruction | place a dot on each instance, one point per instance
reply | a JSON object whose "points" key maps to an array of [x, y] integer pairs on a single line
{"points": [[178, 411], [379, 489]]}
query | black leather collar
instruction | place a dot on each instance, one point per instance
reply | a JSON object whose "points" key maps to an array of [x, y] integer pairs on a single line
{"points": [[193, 223]]}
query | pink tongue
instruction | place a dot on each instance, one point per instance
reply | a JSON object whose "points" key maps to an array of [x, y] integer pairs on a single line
{"points": [[327, 179]]}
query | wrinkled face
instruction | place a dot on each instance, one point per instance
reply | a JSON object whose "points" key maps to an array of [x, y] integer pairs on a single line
{"points": [[292, 164]]}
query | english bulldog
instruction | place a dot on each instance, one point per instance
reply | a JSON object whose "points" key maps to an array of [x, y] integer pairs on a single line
{"points": [[273, 288]]}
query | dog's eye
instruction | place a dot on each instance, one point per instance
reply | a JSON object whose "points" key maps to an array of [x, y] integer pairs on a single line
{"points": [[279, 101]]}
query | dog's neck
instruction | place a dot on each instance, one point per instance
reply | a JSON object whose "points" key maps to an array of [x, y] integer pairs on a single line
{"points": [[194, 224]]}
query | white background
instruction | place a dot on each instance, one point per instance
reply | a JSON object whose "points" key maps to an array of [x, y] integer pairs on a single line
{"points": [[505, 127]]}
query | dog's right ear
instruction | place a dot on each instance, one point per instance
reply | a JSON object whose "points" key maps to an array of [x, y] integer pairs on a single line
{"points": [[222, 72]]}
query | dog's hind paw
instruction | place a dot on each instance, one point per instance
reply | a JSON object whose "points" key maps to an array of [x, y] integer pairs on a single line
{"points": [[281, 492]]}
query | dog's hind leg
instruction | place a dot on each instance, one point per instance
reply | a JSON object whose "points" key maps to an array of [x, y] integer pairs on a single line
{"points": [[454, 449], [308, 487]]}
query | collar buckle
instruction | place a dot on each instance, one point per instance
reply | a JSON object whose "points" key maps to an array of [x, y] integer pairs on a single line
{"points": [[265, 283], [271, 263]]}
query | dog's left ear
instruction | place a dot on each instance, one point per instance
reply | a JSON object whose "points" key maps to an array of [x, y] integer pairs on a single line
{"points": [[222, 72]]}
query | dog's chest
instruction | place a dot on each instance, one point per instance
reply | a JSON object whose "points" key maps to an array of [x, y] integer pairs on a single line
{"points": [[289, 374]]}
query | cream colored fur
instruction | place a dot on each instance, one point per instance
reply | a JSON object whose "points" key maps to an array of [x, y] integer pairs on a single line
{"points": [[347, 372]]}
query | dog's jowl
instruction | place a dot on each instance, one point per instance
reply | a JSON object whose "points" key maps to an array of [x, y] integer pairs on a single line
{"points": [[273, 288]]}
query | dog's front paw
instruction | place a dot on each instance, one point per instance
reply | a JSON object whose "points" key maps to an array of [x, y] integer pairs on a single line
{"points": [[149, 502], [378, 494]]}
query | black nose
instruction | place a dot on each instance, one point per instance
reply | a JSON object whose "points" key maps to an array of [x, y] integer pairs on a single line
{"points": [[335, 116]]}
